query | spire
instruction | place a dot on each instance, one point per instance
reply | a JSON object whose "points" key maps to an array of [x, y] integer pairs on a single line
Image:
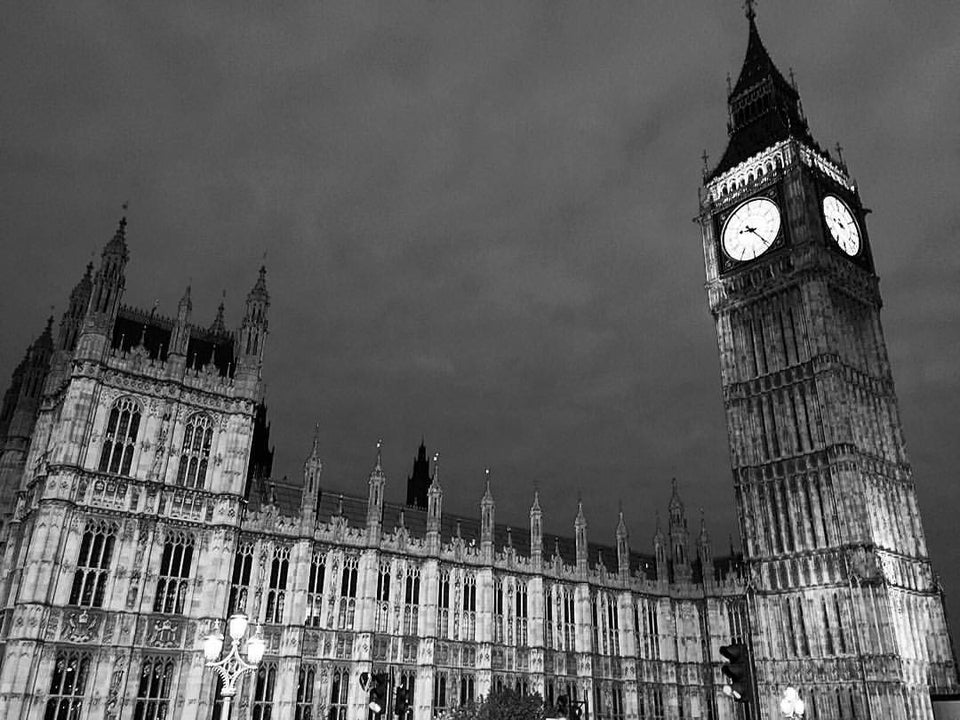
{"points": [[535, 508], [764, 106], [435, 481], [622, 526], [580, 520], [487, 495], [378, 468], [218, 326], [312, 466], [118, 244], [180, 337], [704, 538], [185, 304]]}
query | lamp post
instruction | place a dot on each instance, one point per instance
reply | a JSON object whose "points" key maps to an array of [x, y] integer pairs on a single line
{"points": [[791, 705], [232, 667]]}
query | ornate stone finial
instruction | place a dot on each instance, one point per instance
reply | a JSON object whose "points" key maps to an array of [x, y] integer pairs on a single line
{"points": [[751, 12], [401, 521], [487, 495], [729, 85], [793, 79], [340, 506], [509, 537], [436, 468], [379, 446], [315, 451], [536, 501]]}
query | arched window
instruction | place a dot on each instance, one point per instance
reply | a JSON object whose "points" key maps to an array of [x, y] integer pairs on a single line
{"points": [[67, 685], [195, 453], [122, 426], [93, 564], [172, 584]]}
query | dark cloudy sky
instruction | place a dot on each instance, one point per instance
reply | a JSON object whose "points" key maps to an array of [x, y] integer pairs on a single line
{"points": [[477, 220]]}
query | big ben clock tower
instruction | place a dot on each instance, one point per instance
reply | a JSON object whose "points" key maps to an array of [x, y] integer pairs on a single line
{"points": [[843, 600]]}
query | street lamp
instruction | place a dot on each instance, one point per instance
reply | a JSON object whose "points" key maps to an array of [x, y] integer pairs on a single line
{"points": [[791, 705], [232, 667]]}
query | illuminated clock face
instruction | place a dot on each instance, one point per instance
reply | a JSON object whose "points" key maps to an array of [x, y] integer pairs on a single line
{"points": [[751, 229], [842, 225]]}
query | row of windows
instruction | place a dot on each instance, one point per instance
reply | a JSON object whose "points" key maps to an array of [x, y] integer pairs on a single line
{"points": [[93, 565], [119, 442]]}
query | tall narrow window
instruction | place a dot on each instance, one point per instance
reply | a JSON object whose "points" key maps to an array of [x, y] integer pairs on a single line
{"points": [[411, 602], [443, 604], [240, 582], [93, 564], [277, 591], [467, 684], [383, 597], [67, 686], [116, 455], [318, 568], [195, 453], [498, 610], [439, 692], [263, 691], [569, 619], [548, 616], [173, 582], [339, 694], [521, 613], [348, 593], [468, 626], [305, 682], [153, 690]]}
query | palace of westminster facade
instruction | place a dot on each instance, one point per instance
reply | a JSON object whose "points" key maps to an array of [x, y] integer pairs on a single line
{"points": [[138, 510]]}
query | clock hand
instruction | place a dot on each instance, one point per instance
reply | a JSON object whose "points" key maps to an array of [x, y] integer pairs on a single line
{"points": [[765, 242]]}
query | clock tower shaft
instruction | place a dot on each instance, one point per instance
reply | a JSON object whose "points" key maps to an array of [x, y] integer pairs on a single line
{"points": [[843, 599]]}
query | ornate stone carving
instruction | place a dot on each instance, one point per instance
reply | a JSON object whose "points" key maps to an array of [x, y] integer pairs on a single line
{"points": [[165, 634], [81, 626]]}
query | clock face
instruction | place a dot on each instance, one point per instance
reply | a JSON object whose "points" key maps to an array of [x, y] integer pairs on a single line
{"points": [[842, 225], [751, 229]]}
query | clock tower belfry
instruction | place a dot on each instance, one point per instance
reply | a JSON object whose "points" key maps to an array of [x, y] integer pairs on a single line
{"points": [[843, 600]]}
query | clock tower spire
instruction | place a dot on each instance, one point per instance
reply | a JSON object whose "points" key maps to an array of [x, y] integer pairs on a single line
{"points": [[840, 580]]}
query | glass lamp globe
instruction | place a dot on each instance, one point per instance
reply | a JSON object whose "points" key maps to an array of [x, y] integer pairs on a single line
{"points": [[212, 646], [790, 693], [786, 707], [238, 625], [255, 649], [799, 706]]}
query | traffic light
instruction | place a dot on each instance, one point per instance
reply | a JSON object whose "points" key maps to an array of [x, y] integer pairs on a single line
{"points": [[401, 703], [737, 670], [563, 706]]}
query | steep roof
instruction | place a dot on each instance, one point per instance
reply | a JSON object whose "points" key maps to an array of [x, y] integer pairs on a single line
{"points": [[764, 107]]}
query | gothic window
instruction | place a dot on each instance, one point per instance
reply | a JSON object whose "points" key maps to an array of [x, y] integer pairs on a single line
{"points": [[383, 597], [521, 613], [93, 564], [153, 690], [612, 626], [240, 582], [443, 604], [67, 686], [348, 593], [616, 703], [569, 619], [116, 455], [467, 687], [648, 629], [339, 694], [277, 590], [318, 569], [595, 624], [195, 453], [439, 692], [411, 602], [172, 585], [498, 611], [468, 627], [305, 681], [263, 691]]}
